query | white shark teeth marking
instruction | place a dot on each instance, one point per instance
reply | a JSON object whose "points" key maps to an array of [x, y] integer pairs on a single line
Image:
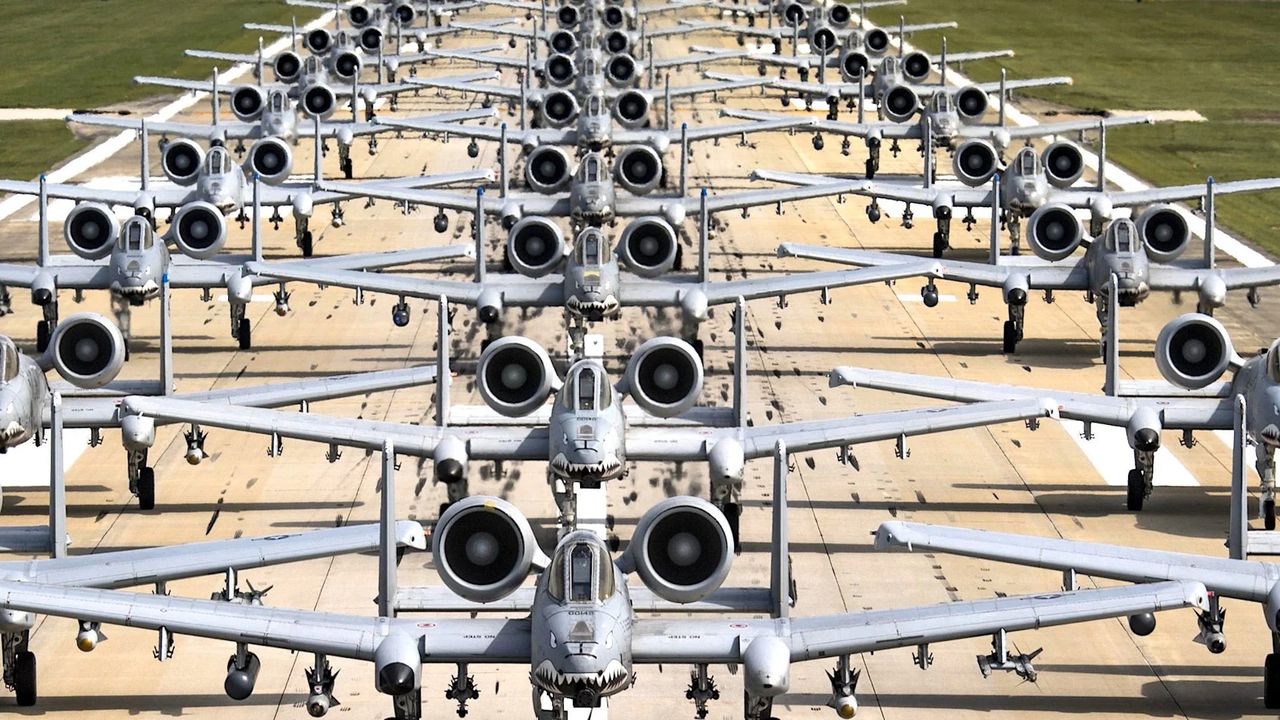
{"points": [[11, 431], [602, 468], [1271, 434]]}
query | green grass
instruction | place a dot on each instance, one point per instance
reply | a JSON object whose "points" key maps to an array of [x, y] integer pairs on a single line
{"points": [[83, 54], [1216, 57]]}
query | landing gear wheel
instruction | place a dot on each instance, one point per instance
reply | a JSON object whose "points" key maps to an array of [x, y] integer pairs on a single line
{"points": [[939, 244], [347, 168], [1137, 493], [147, 489], [1010, 336], [44, 331], [245, 336], [307, 244], [1270, 682], [1269, 513], [24, 678], [697, 346], [733, 513]]}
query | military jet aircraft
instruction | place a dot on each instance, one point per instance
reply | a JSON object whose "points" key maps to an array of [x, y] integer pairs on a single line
{"points": [[137, 259], [1192, 352], [1140, 253], [1236, 578], [588, 435], [581, 639], [203, 188], [160, 565]]}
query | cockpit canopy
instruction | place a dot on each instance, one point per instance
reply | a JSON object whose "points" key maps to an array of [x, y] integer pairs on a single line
{"points": [[135, 236], [1121, 237], [581, 572], [592, 169], [1273, 362], [590, 248], [8, 359], [595, 107], [1027, 162], [311, 66], [276, 101], [941, 103], [889, 66], [587, 389], [217, 162]]}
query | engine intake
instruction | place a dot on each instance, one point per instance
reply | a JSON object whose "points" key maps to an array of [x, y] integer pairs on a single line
{"points": [[483, 548], [648, 246], [1164, 232], [564, 42], [638, 169], [853, 62], [515, 376], [631, 109], [359, 15], [839, 16], [1054, 232], [560, 70], [272, 160], [916, 67], [548, 169], [794, 14], [614, 17], [617, 41], [621, 70], [318, 41], [823, 39], [87, 350], [346, 66], [287, 67], [248, 101], [371, 40], [535, 246], [199, 230], [181, 161], [405, 14], [664, 376], [318, 101], [567, 16], [1193, 350], [559, 108], [975, 162], [91, 230], [1063, 164], [876, 42], [682, 549], [971, 103], [900, 103]]}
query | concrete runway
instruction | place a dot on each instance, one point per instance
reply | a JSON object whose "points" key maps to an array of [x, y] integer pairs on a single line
{"points": [[1003, 478]]}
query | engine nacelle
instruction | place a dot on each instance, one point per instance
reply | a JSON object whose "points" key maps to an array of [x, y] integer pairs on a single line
{"points": [[631, 109], [181, 161], [397, 665], [1193, 350], [975, 162], [1164, 232], [199, 230], [664, 376], [137, 433], [489, 305], [558, 109], [613, 17], [1054, 231], [515, 376], [271, 159], [1273, 608], [483, 548], [560, 70], [900, 103], [823, 39], [371, 40], [91, 230], [450, 460], [318, 101], [44, 288], [839, 16], [535, 246], [564, 42], [648, 247], [766, 665], [568, 16], [548, 169], [345, 66], [682, 549], [971, 103], [876, 42], [726, 463], [794, 14], [916, 67], [638, 169], [359, 15], [405, 14], [852, 63], [621, 70], [241, 680], [318, 41], [1063, 164], [617, 42], [248, 101], [87, 350]]}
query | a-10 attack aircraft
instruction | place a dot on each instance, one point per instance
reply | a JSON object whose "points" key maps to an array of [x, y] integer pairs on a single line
{"points": [[204, 187], [581, 639], [1040, 188], [1257, 582], [137, 260], [588, 435], [1142, 254], [160, 565], [89, 352], [1192, 352]]}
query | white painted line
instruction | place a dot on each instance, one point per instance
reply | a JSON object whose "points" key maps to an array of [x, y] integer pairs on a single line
{"points": [[13, 114], [1112, 457], [27, 466]]}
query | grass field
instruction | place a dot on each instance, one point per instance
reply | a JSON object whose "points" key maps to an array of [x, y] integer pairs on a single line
{"points": [[77, 54], [1214, 56]]}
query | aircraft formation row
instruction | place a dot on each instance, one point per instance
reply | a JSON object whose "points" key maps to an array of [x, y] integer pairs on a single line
{"points": [[595, 211]]}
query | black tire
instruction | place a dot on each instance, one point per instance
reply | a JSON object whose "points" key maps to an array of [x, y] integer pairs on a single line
{"points": [[1270, 682], [1269, 514], [147, 489], [245, 336], [1010, 336], [1137, 493], [307, 244], [347, 169], [44, 331], [939, 244], [733, 513], [24, 679], [697, 346]]}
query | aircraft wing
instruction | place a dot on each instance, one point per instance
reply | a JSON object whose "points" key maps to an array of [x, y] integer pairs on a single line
{"points": [[246, 58], [753, 198], [810, 89], [464, 87], [769, 124], [448, 122], [758, 287], [1151, 196], [713, 87], [330, 192], [83, 275], [230, 130], [962, 57], [1048, 129], [1169, 277], [1207, 413], [314, 389], [483, 58], [188, 273], [1070, 275], [181, 84], [480, 132], [125, 568], [681, 29], [904, 192], [436, 198], [1243, 579], [497, 30], [1020, 83], [517, 291], [827, 636], [900, 131], [79, 193]]}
